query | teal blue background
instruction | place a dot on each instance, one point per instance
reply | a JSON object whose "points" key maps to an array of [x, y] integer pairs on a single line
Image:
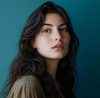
{"points": [[85, 16]]}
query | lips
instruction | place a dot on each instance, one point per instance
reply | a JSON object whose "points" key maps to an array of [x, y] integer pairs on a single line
{"points": [[58, 46]]}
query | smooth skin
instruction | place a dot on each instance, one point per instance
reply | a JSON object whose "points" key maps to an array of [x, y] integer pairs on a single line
{"points": [[52, 41]]}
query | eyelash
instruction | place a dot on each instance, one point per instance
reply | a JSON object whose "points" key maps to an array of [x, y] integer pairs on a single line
{"points": [[63, 29], [60, 30], [46, 30]]}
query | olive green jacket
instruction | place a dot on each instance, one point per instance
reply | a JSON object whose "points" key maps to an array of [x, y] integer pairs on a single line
{"points": [[26, 87]]}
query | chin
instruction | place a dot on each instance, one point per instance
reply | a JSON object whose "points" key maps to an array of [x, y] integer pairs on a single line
{"points": [[59, 57]]}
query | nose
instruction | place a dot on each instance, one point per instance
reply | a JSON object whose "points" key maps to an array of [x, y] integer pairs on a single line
{"points": [[57, 35]]}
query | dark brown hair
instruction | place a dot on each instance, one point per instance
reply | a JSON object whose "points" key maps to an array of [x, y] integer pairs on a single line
{"points": [[29, 62]]}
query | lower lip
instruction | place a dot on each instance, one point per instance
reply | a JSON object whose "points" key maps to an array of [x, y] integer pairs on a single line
{"points": [[59, 49]]}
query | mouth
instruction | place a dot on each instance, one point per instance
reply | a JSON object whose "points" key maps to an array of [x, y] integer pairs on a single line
{"points": [[58, 47]]}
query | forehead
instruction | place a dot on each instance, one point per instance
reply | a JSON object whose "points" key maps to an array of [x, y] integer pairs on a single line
{"points": [[54, 19]]}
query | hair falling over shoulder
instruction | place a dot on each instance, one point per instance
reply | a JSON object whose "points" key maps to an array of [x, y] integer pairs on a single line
{"points": [[29, 62]]}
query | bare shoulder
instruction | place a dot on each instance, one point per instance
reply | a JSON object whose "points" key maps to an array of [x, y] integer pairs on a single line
{"points": [[26, 86]]}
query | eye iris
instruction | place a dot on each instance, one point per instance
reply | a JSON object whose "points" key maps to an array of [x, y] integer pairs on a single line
{"points": [[63, 29], [46, 31]]}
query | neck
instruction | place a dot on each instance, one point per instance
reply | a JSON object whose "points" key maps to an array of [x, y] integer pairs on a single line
{"points": [[52, 67]]}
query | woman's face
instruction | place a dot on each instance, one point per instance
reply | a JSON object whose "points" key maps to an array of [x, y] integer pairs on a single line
{"points": [[52, 41]]}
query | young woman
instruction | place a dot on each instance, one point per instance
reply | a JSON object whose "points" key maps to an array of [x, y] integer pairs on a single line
{"points": [[45, 64]]}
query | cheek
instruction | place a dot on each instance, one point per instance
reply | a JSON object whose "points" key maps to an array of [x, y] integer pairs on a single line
{"points": [[42, 42], [67, 38], [48, 38], [43, 46]]}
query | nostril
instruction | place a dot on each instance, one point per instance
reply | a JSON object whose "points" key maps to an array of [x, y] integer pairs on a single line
{"points": [[57, 35]]}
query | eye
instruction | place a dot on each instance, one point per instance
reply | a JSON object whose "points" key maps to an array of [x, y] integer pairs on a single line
{"points": [[46, 31], [65, 29]]}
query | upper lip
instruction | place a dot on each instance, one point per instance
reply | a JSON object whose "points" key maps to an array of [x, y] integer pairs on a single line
{"points": [[58, 46]]}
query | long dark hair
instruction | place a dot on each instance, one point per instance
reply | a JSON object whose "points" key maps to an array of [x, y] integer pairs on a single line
{"points": [[29, 62]]}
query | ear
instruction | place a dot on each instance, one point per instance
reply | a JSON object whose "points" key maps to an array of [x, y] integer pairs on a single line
{"points": [[33, 43]]}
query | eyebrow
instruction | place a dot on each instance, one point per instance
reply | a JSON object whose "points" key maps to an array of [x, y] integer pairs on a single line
{"points": [[46, 24], [63, 24]]}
